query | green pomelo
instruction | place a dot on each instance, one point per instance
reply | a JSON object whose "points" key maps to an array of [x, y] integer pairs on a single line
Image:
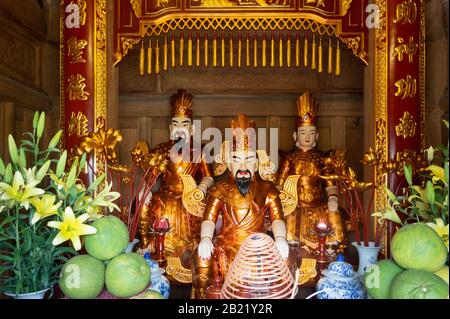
{"points": [[378, 278], [148, 294], [82, 277], [127, 275], [111, 238], [443, 273], [418, 284], [418, 246]]}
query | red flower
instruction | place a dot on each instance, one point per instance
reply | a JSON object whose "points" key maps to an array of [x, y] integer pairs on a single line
{"points": [[161, 225]]}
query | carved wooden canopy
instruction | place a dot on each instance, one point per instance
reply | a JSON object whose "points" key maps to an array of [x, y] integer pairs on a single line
{"points": [[345, 19]]}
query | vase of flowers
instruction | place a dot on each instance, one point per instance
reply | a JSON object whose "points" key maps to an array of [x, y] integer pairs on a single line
{"points": [[425, 198], [42, 207]]}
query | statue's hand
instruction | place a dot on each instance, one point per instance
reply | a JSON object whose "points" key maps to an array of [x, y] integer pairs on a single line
{"points": [[205, 248], [282, 246], [333, 204], [203, 188]]}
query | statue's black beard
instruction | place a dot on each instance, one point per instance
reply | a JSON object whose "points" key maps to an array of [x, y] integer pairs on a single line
{"points": [[243, 183]]}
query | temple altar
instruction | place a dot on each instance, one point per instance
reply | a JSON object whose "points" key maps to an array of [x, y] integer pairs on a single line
{"points": [[201, 129]]}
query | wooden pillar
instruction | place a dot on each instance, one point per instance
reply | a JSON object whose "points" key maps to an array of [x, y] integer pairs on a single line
{"points": [[399, 87], [7, 120], [83, 73]]}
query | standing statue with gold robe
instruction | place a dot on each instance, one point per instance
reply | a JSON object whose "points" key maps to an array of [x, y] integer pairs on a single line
{"points": [[317, 198], [243, 200], [167, 202]]}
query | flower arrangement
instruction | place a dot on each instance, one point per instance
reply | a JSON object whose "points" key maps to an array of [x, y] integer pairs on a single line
{"points": [[351, 197], [43, 205], [426, 202]]}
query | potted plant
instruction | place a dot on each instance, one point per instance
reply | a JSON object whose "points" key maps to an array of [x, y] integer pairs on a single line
{"points": [[427, 201], [42, 206]]}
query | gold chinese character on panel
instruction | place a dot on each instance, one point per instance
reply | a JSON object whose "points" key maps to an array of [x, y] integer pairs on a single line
{"points": [[76, 88], [78, 124], [318, 3], [406, 12], [406, 87], [406, 48], [75, 50], [406, 127]]}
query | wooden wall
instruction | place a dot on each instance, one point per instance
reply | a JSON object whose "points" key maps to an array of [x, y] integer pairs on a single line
{"points": [[29, 67]]}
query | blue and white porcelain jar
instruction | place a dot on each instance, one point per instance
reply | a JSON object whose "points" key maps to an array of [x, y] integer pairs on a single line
{"points": [[159, 282], [339, 281]]}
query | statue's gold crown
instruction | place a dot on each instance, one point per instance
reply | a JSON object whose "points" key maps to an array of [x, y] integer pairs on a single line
{"points": [[244, 134], [307, 109], [181, 104]]}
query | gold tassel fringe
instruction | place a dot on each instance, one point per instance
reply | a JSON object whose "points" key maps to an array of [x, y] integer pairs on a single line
{"points": [[280, 53], [313, 54], [165, 53], [264, 48], [214, 50], [172, 50], [338, 59], [222, 48], [198, 50], [297, 51], [181, 49], [190, 50], [239, 50], [231, 51], [272, 51], [247, 50], [206, 49], [149, 57], [255, 51], [330, 57], [288, 50], [320, 70], [305, 52], [157, 57], [141, 59]]}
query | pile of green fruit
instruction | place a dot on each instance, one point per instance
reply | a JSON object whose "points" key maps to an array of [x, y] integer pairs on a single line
{"points": [[417, 270], [124, 275]]}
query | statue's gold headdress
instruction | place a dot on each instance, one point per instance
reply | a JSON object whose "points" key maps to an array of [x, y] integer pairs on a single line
{"points": [[181, 104], [307, 109], [244, 134]]}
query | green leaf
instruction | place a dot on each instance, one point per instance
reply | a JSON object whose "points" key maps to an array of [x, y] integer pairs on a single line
{"points": [[408, 173], [35, 119], [43, 171], [2, 167], [61, 164], [96, 182], [55, 140], [445, 123], [390, 194], [430, 192], [13, 149], [82, 163], [22, 158], [41, 125], [446, 169]]}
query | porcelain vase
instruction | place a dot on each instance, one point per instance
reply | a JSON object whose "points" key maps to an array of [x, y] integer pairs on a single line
{"points": [[161, 284], [131, 245], [32, 295], [368, 255]]}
